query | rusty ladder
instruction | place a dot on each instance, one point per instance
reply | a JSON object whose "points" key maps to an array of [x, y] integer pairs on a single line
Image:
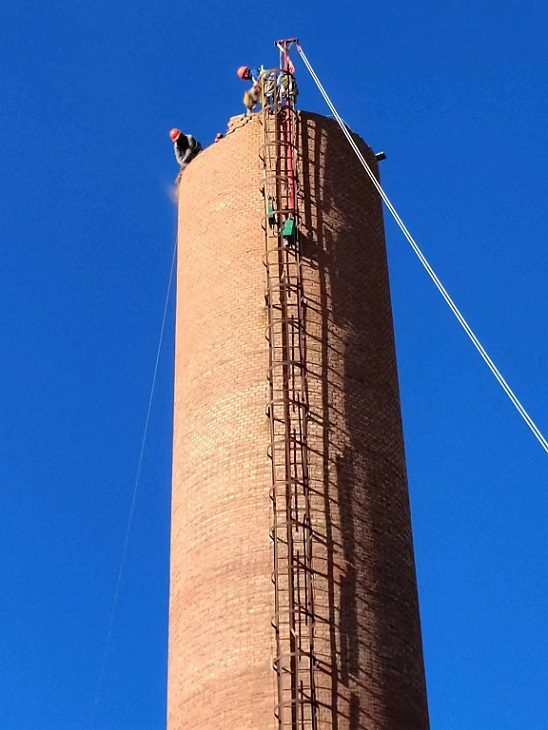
{"points": [[291, 527]]}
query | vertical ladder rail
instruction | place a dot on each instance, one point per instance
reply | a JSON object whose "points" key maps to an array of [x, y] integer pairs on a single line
{"points": [[291, 530]]}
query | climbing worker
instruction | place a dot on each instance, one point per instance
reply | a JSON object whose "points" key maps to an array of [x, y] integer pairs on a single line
{"points": [[284, 81], [186, 147], [249, 74], [259, 77], [253, 95]]}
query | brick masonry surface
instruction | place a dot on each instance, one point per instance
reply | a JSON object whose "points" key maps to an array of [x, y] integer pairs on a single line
{"points": [[369, 670]]}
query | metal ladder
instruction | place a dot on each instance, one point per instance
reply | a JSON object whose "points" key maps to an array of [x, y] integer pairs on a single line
{"points": [[291, 528]]}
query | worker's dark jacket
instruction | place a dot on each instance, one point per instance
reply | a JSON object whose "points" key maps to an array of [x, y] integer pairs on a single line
{"points": [[186, 148]]}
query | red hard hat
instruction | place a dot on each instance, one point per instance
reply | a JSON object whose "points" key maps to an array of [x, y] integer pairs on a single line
{"points": [[175, 134], [242, 72]]}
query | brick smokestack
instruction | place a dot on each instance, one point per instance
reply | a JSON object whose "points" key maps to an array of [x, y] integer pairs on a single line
{"points": [[368, 665]]}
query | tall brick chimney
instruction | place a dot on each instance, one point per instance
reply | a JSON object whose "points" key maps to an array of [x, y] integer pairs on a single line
{"points": [[363, 652]]}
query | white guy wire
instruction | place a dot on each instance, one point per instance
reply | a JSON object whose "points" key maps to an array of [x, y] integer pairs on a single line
{"points": [[466, 327], [133, 499]]}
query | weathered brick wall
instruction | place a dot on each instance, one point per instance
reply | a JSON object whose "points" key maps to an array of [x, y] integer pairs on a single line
{"points": [[368, 643], [221, 593], [369, 669]]}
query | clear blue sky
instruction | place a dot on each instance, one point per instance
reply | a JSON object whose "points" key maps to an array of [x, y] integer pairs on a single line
{"points": [[88, 92]]}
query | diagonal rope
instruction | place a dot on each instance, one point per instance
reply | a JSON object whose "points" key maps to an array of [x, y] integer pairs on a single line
{"points": [[464, 324], [133, 499]]}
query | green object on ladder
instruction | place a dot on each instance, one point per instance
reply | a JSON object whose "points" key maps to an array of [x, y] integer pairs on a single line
{"points": [[289, 229], [271, 214]]}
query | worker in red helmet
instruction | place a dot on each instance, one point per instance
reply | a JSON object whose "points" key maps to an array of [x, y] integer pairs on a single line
{"points": [[186, 147], [249, 74], [283, 80], [252, 95]]}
